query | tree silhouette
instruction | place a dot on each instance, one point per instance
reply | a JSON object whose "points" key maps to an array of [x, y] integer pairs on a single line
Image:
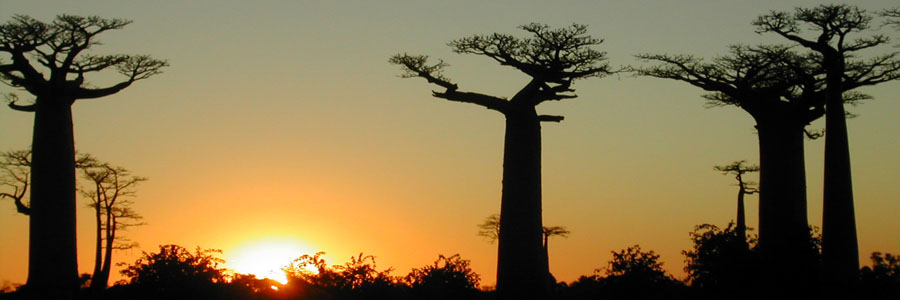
{"points": [[882, 279], [59, 49], [111, 199], [553, 59], [780, 90], [744, 188], [833, 26], [450, 277], [175, 273], [636, 274], [357, 279], [722, 263]]}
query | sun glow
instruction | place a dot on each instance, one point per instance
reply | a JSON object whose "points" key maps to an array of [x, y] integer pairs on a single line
{"points": [[266, 258]]}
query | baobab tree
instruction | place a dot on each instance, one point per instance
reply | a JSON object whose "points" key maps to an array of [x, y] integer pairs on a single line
{"points": [[779, 89], [833, 27], [49, 61], [744, 188], [553, 59], [111, 191]]}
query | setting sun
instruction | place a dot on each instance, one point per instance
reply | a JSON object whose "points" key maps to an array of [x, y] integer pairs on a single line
{"points": [[265, 258]]}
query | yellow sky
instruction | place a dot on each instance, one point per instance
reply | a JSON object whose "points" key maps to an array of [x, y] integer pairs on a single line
{"points": [[283, 120]]}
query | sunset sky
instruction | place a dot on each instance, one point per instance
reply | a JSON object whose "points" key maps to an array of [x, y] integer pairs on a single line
{"points": [[281, 125]]}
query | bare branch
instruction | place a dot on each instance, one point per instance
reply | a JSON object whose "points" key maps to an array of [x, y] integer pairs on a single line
{"points": [[417, 66], [15, 167]]}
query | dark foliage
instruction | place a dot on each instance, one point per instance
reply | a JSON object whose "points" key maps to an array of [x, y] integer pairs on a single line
{"points": [[631, 274], [450, 277], [174, 272], [722, 263], [882, 279], [357, 279]]}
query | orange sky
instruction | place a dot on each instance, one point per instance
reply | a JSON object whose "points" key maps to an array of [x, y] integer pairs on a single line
{"points": [[284, 121]]}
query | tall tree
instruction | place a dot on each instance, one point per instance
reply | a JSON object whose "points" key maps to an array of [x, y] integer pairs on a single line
{"points": [[111, 193], [833, 27], [744, 188], [49, 61], [553, 59], [779, 89]]}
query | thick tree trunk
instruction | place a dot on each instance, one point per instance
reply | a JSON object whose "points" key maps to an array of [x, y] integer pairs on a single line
{"points": [[52, 256], [840, 252], [521, 263], [783, 225]]}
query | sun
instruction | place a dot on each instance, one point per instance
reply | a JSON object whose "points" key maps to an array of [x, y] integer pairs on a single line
{"points": [[265, 258]]}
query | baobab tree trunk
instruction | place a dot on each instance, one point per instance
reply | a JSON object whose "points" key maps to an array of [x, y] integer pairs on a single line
{"points": [[741, 227], [521, 263], [103, 279], [52, 256], [783, 223], [840, 252], [100, 280], [98, 252]]}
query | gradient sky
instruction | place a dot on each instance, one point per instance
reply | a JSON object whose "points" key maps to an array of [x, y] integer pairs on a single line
{"points": [[283, 121]]}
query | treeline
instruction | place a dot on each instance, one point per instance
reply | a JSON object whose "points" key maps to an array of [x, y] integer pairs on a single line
{"points": [[720, 265]]}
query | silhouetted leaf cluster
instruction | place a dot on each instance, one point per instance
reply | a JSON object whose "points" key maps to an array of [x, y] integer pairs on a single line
{"points": [[175, 272], [631, 274], [721, 262]]}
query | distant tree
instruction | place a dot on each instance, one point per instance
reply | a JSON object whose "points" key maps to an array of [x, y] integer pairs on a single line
{"points": [[491, 230], [882, 279], [635, 274], [632, 262], [553, 59], [833, 26], [111, 196], [450, 277], [175, 273], [720, 265], [59, 50], [744, 188]]}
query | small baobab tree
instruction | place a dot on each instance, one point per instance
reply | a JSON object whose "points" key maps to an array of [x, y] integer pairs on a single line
{"points": [[552, 59], [50, 61], [744, 188]]}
